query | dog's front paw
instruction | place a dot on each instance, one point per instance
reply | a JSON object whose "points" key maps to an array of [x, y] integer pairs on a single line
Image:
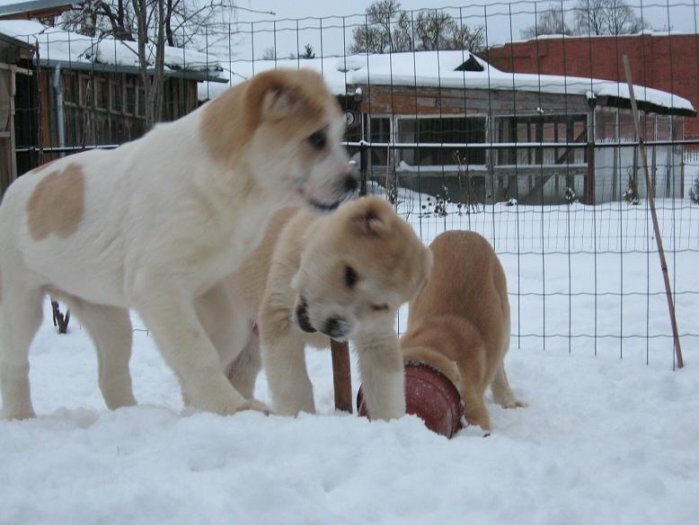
{"points": [[254, 404]]}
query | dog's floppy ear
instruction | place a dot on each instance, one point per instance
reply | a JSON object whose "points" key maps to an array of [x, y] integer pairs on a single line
{"points": [[273, 95], [370, 220], [278, 102]]}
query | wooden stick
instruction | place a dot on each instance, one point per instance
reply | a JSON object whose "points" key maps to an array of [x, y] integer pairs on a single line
{"points": [[342, 378], [654, 215]]}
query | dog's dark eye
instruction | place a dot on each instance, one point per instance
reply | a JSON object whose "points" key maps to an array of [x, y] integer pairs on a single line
{"points": [[351, 277], [379, 307], [318, 140]]}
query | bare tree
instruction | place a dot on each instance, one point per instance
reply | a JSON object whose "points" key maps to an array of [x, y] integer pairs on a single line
{"points": [[152, 79], [388, 29], [433, 29], [375, 36], [183, 20], [551, 21], [465, 37], [591, 17], [606, 17], [403, 34], [269, 54], [151, 24]]}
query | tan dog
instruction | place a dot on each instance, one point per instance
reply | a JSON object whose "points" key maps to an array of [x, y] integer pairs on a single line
{"points": [[159, 222], [460, 322], [342, 276]]}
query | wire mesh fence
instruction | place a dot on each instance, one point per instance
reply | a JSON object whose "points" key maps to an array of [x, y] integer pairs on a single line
{"points": [[512, 119]]}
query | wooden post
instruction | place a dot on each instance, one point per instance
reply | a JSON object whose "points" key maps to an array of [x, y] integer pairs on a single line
{"points": [[342, 378], [656, 228], [590, 181]]}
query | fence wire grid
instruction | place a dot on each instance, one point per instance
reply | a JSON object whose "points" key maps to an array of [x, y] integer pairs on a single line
{"points": [[526, 138]]}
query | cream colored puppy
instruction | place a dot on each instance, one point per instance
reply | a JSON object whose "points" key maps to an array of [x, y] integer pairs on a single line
{"points": [[460, 322], [340, 276], [158, 222]]}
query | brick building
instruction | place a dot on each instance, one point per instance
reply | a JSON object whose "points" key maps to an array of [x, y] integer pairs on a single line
{"points": [[669, 62]]}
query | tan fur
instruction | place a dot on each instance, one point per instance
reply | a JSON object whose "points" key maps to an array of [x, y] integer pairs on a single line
{"points": [[460, 322], [57, 203], [303, 260], [297, 112]]}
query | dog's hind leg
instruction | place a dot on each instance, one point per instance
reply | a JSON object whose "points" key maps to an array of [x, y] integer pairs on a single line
{"points": [[20, 317], [243, 372], [228, 326], [502, 393], [475, 410], [111, 332]]}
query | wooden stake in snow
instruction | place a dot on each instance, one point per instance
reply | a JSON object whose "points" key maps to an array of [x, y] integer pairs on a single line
{"points": [[651, 202], [342, 379]]}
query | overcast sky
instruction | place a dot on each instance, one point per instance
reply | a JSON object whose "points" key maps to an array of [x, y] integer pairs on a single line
{"points": [[504, 21]]}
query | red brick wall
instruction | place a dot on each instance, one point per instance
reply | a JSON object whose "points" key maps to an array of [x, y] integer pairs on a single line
{"points": [[667, 62]]}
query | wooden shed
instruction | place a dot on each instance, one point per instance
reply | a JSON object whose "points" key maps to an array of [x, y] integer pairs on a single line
{"points": [[12, 53], [86, 92]]}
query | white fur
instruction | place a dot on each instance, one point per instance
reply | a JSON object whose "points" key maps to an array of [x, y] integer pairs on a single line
{"points": [[163, 223]]}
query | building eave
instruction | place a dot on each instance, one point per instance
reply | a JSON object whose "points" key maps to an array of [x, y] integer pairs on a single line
{"points": [[34, 9], [199, 76]]}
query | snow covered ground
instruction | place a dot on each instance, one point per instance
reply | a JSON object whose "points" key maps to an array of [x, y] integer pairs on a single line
{"points": [[604, 440]]}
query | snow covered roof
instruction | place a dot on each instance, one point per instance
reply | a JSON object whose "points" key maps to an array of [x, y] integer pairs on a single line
{"points": [[74, 51], [12, 8], [444, 69]]}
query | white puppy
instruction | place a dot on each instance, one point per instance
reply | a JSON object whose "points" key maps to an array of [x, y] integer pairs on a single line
{"points": [[157, 223]]}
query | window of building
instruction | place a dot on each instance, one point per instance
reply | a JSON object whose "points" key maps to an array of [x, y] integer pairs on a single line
{"points": [[116, 96], [380, 132], [71, 92], [564, 129], [443, 130], [86, 94], [101, 93], [129, 97], [141, 103]]}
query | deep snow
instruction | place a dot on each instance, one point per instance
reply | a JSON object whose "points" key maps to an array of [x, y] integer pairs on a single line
{"points": [[604, 440]]}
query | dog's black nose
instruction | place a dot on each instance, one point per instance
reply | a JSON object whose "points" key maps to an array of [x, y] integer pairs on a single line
{"points": [[302, 318], [351, 183], [335, 328]]}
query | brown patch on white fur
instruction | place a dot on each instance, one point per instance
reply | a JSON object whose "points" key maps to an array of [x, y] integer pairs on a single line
{"points": [[57, 203], [289, 102], [460, 322]]}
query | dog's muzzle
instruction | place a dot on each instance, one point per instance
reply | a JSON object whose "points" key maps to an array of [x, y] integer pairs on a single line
{"points": [[336, 329], [302, 317], [347, 190]]}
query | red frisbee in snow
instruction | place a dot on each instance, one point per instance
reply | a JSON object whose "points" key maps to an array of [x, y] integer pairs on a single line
{"points": [[429, 395]]}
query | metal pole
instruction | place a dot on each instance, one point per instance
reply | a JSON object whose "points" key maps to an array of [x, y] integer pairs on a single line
{"points": [[654, 215]]}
